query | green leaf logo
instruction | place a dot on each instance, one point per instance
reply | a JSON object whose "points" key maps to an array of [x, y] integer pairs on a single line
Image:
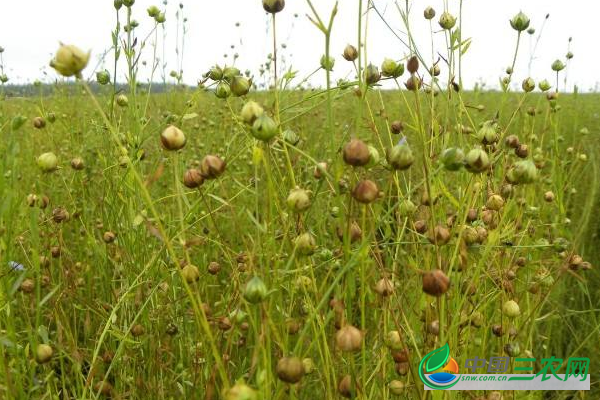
{"points": [[437, 358]]}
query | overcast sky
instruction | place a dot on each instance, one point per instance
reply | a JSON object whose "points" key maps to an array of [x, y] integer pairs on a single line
{"points": [[31, 29]]}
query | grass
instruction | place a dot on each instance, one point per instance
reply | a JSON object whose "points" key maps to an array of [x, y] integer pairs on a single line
{"points": [[112, 289]]}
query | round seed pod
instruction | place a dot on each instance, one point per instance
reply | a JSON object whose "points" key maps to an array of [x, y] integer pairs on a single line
{"points": [[137, 330], [77, 164], [412, 65], [273, 6], [429, 13], [365, 192], [346, 387], [435, 283], [298, 200], [240, 391], [172, 138], [43, 353], [192, 178], [356, 153], [214, 268], [397, 127], [349, 339], [350, 53], [39, 123], [421, 226], [109, 237], [212, 167], [440, 236], [477, 160], [400, 157], [384, 287], [396, 387], [27, 286], [512, 141], [48, 162], [511, 309], [264, 128], [495, 202], [305, 244], [255, 291], [250, 112], [190, 273], [290, 369]]}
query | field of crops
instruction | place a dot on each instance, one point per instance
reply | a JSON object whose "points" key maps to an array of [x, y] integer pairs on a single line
{"points": [[225, 242]]}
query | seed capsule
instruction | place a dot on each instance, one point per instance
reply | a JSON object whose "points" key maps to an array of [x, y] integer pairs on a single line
{"points": [[212, 167], [435, 283], [190, 273], [391, 69], [347, 387], [250, 112], [511, 309], [264, 128], [273, 6], [447, 20], [43, 353], [477, 160], [350, 53], [413, 64], [298, 200], [256, 290], [356, 153], [192, 178], [77, 164], [371, 74], [557, 66], [519, 22], [429, 13], [365, 192], [48, 162], [290, 369], [39, 123], [495, 202], [103, 77], [172, 138], [109, 237], [400, 157], [349, 339], [453, 159], [305, 244], [327, 63], [528, 85], [240, 86], [70, 60], [240, 391], [384, 287], [397, 127]]}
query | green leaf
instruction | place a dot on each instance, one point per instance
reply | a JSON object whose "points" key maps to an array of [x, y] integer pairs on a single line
{"points": [[437, 358]]}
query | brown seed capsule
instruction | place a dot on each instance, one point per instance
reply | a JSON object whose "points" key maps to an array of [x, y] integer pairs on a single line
{"points": [[109, 237], [349, 338], [512, 141], [441, 235], [402, 368], [27, 285], [320, 170], [214, 268], [212, 167], [421, 226], [497, 330], [172, 138], [77, 164], [290, 369], [472, 215], [224, 323], [43, 201], [292, 325], [356, 153], [60, 215], [137, 330], [435, 283], [412, 65], [365, 192], [434, 327], [55, 251], [397, 127], [401, 355], [549, 197], [273, 6], [39, 123], [192, 178], [413, 83], [521, 261], [346, 387], [355, 232], [384, 287], [522, 151], [350, 53], [575, 261]]}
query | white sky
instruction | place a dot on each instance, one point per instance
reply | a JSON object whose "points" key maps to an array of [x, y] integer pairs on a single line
{"points": [[30, 31]]}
